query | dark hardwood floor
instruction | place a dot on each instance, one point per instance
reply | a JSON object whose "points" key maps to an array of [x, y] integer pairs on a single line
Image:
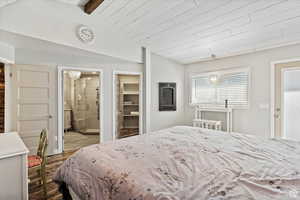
{"points": [[35, 189]]}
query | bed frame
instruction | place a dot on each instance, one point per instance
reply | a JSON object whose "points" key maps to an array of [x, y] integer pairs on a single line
{"points": [[63, 189]]}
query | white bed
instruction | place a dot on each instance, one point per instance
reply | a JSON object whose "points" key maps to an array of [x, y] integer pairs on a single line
{"points": [[185, 163]]}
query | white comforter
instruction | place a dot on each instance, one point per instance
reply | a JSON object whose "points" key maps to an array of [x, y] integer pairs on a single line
{"points": [[185, 163]]}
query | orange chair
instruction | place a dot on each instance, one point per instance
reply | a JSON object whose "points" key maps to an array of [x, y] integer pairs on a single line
{"points": [[40, 159]]}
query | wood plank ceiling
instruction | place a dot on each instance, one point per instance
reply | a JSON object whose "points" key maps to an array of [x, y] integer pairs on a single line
{"points": [[192, 30], [6, 2]]}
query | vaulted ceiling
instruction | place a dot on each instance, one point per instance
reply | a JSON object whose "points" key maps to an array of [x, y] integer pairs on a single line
{"points": [[6, 2], [193, 30], [75, 2]]}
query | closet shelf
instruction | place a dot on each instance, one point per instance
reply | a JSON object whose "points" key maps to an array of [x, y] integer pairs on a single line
{"points": [[131, 83], [128, 135], [130, 93]]}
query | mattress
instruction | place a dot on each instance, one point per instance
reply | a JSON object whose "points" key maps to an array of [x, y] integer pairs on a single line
{"points": [[185, 163]]}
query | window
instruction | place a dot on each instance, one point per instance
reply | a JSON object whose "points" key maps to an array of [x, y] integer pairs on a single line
{"points": [[214, 88]]}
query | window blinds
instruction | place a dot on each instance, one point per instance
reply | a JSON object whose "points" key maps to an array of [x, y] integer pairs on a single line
{"points": [[209, 91]]}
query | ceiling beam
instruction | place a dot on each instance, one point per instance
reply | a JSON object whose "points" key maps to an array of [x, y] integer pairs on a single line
{"points": [[91, 5]]}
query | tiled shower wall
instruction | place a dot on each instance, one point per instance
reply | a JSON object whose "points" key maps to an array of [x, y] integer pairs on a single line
{"points": [[80, 106], [92, 121], [67, 91], [83, 102]]}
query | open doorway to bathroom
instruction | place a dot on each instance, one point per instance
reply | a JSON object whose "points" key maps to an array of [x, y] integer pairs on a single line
{"points": [[127, 104], [81, 108]]}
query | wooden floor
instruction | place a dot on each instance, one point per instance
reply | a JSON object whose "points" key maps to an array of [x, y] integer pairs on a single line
{"points": [[35, 189], [73, 141]]}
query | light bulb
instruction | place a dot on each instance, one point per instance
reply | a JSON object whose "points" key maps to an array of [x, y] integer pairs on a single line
{"points": [[213, 78], [74, 74]]}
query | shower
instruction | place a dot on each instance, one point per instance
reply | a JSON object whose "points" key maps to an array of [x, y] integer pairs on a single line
{"points": [[86, 107]]}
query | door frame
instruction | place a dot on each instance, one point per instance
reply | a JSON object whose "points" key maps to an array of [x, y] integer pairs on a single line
{"points": [[60, 102], [114, 92], [272, 93]]}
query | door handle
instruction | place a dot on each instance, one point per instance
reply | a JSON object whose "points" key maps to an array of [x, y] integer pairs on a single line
{"points": [[50, 117], [277, 113]]}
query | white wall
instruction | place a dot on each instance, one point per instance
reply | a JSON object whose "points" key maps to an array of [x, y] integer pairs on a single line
{"points": [[7, 53], [256, 119], [55, 60], [164, 70], [40, 19]]}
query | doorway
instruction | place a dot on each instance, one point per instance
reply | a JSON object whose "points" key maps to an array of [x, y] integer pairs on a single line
{"points": [[127, 104], [81, 108], [286, 107]]}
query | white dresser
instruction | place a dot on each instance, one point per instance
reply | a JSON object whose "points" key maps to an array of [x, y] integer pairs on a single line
{"points": [[13, 168]]}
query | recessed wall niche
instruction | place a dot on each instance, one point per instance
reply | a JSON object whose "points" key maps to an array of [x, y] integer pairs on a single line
{"points": [[167, 96]]}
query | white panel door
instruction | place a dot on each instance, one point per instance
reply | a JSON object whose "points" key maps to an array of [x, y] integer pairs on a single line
{"points": [[34, 103], [279, 94]]}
